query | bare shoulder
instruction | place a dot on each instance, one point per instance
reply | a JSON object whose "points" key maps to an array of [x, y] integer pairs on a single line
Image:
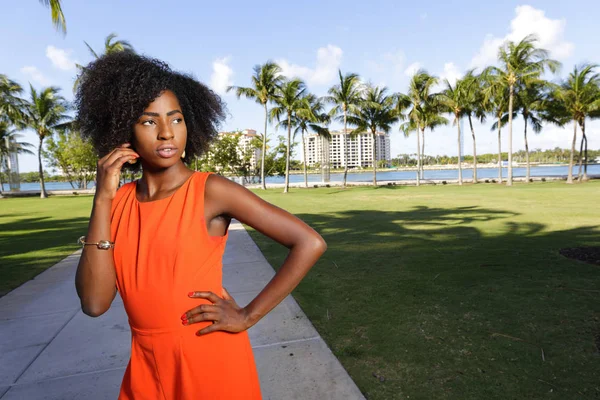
{"points": [[225, 197]]}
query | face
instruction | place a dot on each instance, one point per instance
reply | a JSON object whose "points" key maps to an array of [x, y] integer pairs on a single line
{"points": [[160, 134]]}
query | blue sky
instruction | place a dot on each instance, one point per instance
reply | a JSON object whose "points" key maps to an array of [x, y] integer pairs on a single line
{"points": [[382, 41]]}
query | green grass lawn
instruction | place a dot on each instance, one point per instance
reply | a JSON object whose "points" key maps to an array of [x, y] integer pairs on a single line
{"points": [[437, 292], [36, 233], [447, 292]]}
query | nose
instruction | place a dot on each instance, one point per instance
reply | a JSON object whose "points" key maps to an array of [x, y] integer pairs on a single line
{"points": [[166, 132]]}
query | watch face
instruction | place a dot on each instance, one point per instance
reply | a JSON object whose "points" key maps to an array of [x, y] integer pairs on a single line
{"points": [[104, 245]]}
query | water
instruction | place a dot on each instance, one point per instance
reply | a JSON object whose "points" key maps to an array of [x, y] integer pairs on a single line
{"points": [[49, 186], [449, 174]]}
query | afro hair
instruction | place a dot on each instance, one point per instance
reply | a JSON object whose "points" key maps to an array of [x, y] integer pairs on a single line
{"points": [[115, 89]]}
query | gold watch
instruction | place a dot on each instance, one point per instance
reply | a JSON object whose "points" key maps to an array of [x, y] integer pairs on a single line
{"points": [[102, 244]]}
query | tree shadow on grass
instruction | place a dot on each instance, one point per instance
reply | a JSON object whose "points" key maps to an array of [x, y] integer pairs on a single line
{"points": [[29, 245], [454, 303]]}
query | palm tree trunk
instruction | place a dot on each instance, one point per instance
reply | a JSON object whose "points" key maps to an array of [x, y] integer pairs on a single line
{"points": [[43, 193], [459, 155], [474, 151], [418, 158], [579, 171], [527, 152], [510, 111], [304, 158], [287, 155], [570, 176], [499, 149], [585, 175], [264, 152], [2, 167], [374, 159], [345, 148], [423, 155]]}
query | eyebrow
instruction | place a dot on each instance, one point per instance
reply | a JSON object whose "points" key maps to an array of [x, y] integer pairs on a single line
{"points": [[151, 114]]}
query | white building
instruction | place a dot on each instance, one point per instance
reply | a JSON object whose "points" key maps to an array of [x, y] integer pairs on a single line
{"points": [[10, 165], [244, 145], [359, 152]]}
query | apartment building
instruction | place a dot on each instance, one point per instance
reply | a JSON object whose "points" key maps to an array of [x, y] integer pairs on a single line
{"points": [[359, 152], [244, 145]]}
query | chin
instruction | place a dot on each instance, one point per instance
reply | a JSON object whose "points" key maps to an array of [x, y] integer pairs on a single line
{"points": [[163, 163]]}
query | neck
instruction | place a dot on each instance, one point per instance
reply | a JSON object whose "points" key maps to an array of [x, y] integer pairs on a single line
{"points": [[156, 181]]}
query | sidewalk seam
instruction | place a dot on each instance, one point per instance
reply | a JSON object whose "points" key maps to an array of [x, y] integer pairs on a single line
{"points": [[261, 346], [45, 347], [67, 376]]}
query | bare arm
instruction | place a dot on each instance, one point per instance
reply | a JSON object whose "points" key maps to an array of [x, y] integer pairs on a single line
{"points": [[95, 278], [305, 244]]}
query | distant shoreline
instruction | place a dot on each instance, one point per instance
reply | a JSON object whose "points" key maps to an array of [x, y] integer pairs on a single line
{"points": [[438, 167]]}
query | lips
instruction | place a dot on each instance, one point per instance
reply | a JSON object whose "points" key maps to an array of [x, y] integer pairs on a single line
{"points": [[167, 151]]}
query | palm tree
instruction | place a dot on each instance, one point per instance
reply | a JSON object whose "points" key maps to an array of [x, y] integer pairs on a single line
{"points": [[376, 111], [407, 128], [474, 108], [578, 97], [11, 106], [495, 101], [110, 46], [455, 99], [45, 113], [9, 144], [265, 81], [531, 100], [422, 109], [521, 63], [58, 18], [345, 97], [309, 117], [288, 101]]}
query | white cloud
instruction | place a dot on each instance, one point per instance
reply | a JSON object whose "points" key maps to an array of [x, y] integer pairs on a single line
{"points": [[221, 75], [60, 58], [451, 72], [412, 69], [35, 75], [528, 20], [391, 61], [325, 70]]}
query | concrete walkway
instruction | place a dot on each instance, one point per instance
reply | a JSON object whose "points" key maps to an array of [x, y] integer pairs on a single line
{"points": [[50, 350]]}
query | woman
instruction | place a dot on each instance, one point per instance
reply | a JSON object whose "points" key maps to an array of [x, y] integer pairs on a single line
{"points": [[159, 241]]}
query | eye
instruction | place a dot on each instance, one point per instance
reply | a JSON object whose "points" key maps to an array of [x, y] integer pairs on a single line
{"points": [[148, 122], [177, 120]]}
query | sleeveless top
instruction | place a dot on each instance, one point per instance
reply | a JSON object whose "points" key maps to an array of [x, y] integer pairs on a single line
{"points": [[162, 252]]}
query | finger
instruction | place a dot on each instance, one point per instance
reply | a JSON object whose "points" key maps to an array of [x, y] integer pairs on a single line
{"points": [[205, 295], [202, 317], [120, 152], [209, 329], [103, 159], [118, 163], [200, 309], [226, 294]]}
